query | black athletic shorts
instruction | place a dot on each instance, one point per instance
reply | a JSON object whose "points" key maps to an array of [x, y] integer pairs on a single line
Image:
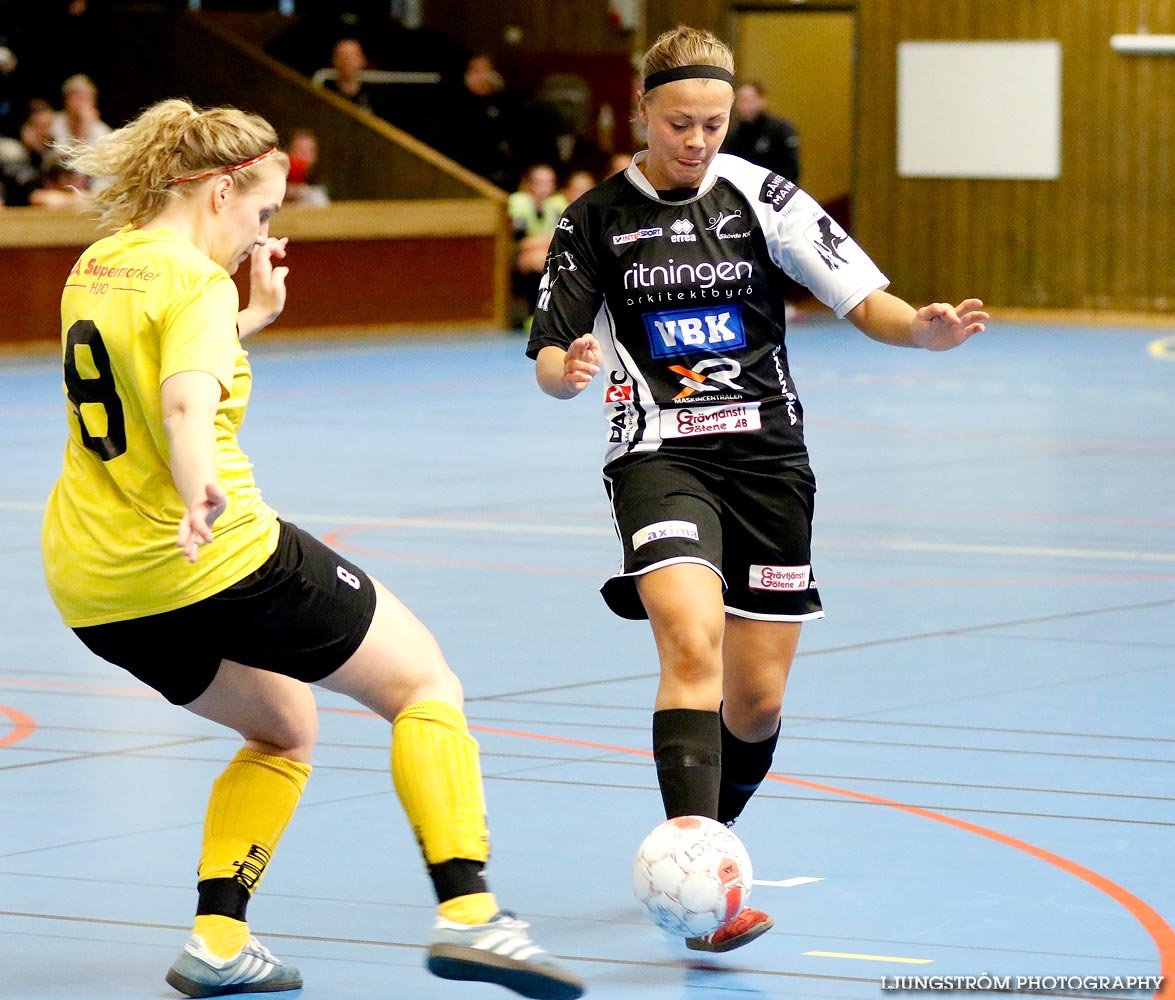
{"points": [[302, 614], [753, 527]]}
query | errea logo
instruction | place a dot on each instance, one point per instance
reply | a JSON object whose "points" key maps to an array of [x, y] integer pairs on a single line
{"points": [[683, 232]]}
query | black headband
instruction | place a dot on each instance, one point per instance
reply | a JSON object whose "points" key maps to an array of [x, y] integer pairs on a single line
{"points": [[687, 73]]}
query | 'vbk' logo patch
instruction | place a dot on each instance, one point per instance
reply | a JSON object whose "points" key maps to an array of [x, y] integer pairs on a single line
{"points": [[684, 331]]}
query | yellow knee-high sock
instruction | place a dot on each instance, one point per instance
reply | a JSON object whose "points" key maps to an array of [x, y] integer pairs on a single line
{"points": [[249, 808], [437, 776]]}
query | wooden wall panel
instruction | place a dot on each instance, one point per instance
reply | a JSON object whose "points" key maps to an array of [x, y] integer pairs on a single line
{"points": [[392, 265], [494, 28], [1098, 237]]}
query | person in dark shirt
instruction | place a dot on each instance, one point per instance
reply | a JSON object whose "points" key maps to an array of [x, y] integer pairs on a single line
{"points": [[483, 132], [349, 61], [761, 137]]}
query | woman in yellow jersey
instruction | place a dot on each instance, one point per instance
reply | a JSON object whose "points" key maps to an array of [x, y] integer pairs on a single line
{"points": [[156, 530]]}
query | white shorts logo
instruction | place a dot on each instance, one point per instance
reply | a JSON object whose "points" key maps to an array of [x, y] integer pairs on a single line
{"points": [[664, 529], [780, 577]]}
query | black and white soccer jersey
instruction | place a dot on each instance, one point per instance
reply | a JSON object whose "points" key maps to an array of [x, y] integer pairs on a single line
{"points": [[686, 300]]}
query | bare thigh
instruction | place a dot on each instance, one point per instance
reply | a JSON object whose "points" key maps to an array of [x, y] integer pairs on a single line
{"points": [[397, 664], [275, 714]]}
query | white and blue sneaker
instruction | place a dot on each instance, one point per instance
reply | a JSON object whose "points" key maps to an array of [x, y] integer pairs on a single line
{"points": [[254, 969], [499, 952]]}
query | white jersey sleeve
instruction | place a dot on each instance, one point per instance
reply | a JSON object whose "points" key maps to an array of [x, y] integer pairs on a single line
{"points": [[803, 240]]}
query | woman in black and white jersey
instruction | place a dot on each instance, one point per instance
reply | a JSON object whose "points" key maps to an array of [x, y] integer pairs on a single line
{"points": [[669, 280]]}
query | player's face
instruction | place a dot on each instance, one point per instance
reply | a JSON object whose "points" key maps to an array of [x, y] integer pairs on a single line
{"points": [[687, 121], [244, 221]]}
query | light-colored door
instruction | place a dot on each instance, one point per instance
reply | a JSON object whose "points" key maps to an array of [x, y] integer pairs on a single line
{"points": [[805, 60]]}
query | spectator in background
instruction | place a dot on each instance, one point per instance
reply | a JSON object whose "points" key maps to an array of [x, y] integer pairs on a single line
{"points": [[301, 188], [23, 161], [349, 61], [60, 187], [618, 163], [484, 126], [579, 182], [536, 206], [761, 137], [534, 210], [8, 88], [80, 120], [557, 123]]}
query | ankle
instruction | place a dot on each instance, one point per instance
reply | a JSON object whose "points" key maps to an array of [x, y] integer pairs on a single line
{"points": [[223, 936], [474, 908]]}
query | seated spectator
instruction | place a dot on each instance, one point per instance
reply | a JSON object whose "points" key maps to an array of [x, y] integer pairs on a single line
{"points": [[80, 120], [579, 182], [348, 60], [22, 161], [618, 163], [535, 209], [9, 123], [536, 206], [301, 188], [60, 187]]}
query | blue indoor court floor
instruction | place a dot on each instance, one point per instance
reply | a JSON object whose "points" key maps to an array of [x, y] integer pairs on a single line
{"points": [[976, 772]]}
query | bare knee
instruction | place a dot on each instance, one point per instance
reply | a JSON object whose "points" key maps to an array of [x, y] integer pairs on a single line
{"points": [[289, 731], [690, 652], [753, 717]]}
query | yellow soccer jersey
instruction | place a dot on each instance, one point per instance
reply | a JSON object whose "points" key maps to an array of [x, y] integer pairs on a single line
{"points": [[137, 308]]}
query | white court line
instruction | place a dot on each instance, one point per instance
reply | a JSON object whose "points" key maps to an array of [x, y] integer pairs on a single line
{"points": [[787, 883], [533, 528]]}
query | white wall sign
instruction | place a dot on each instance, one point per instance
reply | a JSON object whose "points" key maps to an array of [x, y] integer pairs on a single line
{"points": [[979, 109]]}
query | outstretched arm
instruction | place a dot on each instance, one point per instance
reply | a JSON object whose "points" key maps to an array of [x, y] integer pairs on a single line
{"points": [[267, 287], [566, 373], [936, 327]]}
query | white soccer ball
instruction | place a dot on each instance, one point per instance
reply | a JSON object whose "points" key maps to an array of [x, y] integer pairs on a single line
{"points": [[691, 876]]}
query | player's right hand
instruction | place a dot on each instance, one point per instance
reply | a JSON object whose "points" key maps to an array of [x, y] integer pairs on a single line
{"points": [[582, 362]]}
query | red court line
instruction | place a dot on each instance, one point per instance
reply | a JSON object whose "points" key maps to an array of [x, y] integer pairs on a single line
{"points": [[22, 726], [143, 692], [1158, 929]]}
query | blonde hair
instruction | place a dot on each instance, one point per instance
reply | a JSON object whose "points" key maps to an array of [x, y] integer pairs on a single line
{"points": [[139, 167], [685, 46]]}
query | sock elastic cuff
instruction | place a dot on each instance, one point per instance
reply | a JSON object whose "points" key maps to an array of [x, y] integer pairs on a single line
{"points": [[689, 723], [432, 710], [296, 771]]}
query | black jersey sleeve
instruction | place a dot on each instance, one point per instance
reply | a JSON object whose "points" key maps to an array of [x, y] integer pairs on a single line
{"points": [[570, 293]]}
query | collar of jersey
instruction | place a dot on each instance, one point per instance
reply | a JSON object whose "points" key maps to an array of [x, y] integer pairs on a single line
{"points": [[641, 182]]}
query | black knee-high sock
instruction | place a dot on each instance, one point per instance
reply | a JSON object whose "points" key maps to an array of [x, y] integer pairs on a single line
{"points": [[744, 766], [687, 746]]}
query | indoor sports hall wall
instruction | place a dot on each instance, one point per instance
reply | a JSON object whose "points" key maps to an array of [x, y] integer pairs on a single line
{"points": [[1098, 237], [412, 240]]}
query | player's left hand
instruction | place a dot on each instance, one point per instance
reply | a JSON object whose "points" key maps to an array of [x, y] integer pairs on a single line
{"points": [[941, 326], [195, 528], [267, 286]]}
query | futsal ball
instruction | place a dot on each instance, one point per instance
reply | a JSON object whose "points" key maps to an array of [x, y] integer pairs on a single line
{"points": [[691, 876]]}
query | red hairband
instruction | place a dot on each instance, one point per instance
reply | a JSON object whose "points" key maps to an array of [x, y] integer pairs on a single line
{"points": [[225, 170]]}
